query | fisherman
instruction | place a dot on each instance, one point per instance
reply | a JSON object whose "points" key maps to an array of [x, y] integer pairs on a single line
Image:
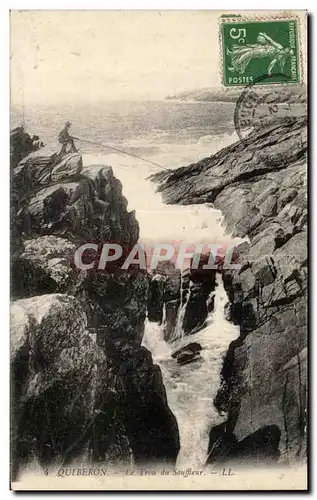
{"points": [[64, 138]]}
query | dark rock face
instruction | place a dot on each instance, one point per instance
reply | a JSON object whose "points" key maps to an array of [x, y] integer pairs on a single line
{"points": [[82, 385], [164, 296], [59, 376], [198, 306], [262, 446], [44, 265], [194, 347], [232, 167], [259, 184], [117, 306], [171, 290], [56, 197], [151, 427], [187, 353], [72, 398], [198, 295], [155, 298], [22, 144]]}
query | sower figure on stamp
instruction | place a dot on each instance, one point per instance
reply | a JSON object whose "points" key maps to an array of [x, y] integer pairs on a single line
{"points": [[265, 47], [64, 138]]}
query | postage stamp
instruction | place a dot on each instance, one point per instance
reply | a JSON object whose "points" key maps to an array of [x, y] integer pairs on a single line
{"points": [[252, 49]]}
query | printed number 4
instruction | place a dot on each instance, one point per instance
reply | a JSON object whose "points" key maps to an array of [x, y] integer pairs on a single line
{"points": [[240, 33]]}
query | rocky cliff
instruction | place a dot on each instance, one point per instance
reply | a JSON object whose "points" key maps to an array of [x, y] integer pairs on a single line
{"points": [[259, 184], [82, 385]]}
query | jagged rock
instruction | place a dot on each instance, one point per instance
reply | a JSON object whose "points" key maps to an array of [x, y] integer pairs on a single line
{"points": [[70, 166], [21, 145], [222, 445], [201, 275], [170, 319], [191, 290], [295, 247], [74, 210], [247, 281], [196, 308], [186, 357], [257, 154], [287, 197], [82, 385], [61, 383], [155, 298], [72, 398], [172, 286], [50, 208], [169, 290], [44, 167], [172, 279], [263, 270], [165, 296], [44, 266], [55, 197], [267, 193], [259, 184], [193, 347], [49, 323], [78, 208], [264, 246], [117, 305], [269, 206], [260, 446], [200, 300], [16, 242], [151, 426], [187, 353]]}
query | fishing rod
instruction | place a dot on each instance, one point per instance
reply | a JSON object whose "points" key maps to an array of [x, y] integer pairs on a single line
{"points": [[120, 151]]}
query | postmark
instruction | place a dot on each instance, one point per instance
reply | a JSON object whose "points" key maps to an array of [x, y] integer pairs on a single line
{"points": [[252, 49], [259, 107]]}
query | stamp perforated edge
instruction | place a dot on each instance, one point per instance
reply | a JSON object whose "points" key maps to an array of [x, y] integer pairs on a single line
{"points": [[279, 16]]}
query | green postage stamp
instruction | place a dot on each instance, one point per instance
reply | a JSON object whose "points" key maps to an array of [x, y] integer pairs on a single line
{"points": [[260, 51]]}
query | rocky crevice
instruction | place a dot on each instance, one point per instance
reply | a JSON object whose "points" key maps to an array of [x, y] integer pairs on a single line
{"points": [[259, 184]]}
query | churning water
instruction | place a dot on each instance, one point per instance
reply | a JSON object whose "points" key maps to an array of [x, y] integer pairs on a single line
{"points": [[191, 388]]}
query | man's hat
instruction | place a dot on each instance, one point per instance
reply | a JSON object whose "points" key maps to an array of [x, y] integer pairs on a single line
{"points": [[68, 123]]}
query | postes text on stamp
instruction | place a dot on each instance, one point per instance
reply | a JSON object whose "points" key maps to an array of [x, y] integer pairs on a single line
{"points": [[253, 49]]}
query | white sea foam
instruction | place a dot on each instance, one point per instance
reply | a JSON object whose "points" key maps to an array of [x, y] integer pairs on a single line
{"points": [[197, 223]]}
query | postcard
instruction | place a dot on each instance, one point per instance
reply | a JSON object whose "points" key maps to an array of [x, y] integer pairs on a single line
{"points": [[158, 177]]}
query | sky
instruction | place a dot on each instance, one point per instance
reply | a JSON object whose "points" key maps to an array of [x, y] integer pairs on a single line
{"points": [[58, 56]]}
